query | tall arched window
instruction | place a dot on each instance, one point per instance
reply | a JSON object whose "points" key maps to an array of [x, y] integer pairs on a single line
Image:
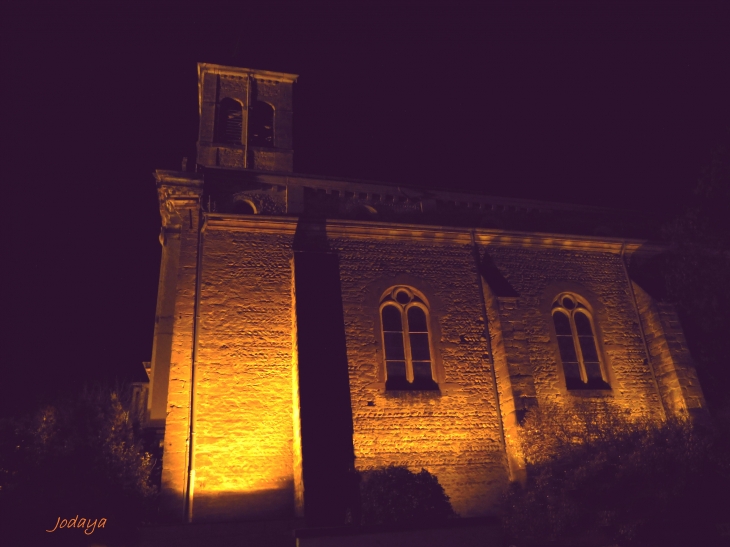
{"points": [[229, 128], [575, 331], [406, 341], [261, 124]]}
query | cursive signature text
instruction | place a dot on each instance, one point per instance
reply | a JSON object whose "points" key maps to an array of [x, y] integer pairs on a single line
{"points": [[87, 525]]}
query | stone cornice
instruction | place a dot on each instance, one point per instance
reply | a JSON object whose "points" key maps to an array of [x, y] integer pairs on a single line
{"points": [[471, 199], [417, 232], [176, 191], [259, 224], [178, 178], [252, 72]]}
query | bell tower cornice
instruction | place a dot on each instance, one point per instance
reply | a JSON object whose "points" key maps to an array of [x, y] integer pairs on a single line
{"points": [[236, 72]]}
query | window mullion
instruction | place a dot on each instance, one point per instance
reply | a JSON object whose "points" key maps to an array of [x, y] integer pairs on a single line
{"points": [[578, 351], [407, 345]]}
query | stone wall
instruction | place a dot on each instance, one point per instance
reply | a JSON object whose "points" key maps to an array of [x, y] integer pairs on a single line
{"points": [[244, 426], [454, 434], [538, 275], [234, 313], [246, 457]]}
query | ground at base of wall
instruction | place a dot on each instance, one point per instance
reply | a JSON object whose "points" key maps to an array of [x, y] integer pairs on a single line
{"points": [[467, 532], [270, 533]]}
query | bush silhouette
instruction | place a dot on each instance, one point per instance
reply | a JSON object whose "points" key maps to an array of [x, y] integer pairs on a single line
{"points": [[395, 495], [595, 469]]}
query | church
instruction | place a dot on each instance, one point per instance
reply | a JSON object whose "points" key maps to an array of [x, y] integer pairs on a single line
{"points": [[307, 327]]}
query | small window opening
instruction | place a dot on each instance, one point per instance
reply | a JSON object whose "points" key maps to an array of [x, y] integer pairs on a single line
{"points": [[230, 122], [261, 124], [242, 207]]}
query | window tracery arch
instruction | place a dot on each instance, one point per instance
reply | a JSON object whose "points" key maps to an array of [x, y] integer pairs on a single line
{"points": [[575, 330], [406, 332]]}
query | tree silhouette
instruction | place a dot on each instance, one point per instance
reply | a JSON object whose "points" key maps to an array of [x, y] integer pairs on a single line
{"points": [[694, 273], [76, 457]]}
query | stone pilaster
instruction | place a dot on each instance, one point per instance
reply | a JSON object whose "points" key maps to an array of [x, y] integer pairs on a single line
{"points": [[179, 196], [675, 372], [515, 383]]}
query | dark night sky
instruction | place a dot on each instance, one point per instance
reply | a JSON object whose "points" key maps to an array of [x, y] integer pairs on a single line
{"points": [[613, 104]]}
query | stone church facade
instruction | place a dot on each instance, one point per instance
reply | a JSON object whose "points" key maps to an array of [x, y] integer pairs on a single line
{"points": [[308, 326]]}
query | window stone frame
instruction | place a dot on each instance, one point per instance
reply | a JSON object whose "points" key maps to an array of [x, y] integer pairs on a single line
{"points": [[374, 294], [597, 312], [417, 300]]}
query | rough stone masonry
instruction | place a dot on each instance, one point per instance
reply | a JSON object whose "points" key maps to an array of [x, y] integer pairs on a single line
{"points": [[308, 326]]}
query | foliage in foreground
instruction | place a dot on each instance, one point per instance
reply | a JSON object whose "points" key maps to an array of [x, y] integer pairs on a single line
{"points": [[78, 457], [396, 495], [692, 274], [635, 481]]}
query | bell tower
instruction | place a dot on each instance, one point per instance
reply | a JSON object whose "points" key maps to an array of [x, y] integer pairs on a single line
{"points": [[245, 118]]}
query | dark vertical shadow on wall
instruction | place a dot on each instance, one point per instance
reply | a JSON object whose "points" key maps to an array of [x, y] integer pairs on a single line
{"points": [[494, 278], [326, 412]]}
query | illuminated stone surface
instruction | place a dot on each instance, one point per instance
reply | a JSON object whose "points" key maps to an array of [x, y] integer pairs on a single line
{"points": [[228, 331]]}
